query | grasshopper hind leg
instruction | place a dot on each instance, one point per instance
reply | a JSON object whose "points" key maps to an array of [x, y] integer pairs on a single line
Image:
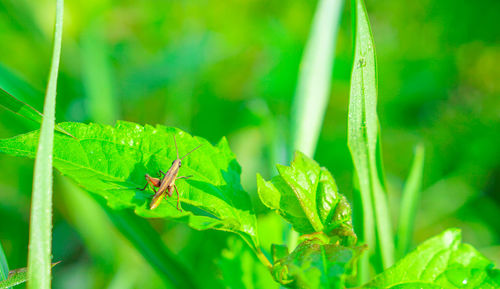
{"points": [[178, 198], [154, 182]]}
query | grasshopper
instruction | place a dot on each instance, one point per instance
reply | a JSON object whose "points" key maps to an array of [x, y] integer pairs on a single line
{"points": [[167, 182]]}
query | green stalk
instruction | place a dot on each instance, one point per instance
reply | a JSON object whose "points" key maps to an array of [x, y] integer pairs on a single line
{"points": [[409, 202], [40, 235]]}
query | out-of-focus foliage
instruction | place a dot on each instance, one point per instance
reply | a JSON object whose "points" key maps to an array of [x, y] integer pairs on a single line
{"points": [[317, 263], [230, 68], [240, 269]]}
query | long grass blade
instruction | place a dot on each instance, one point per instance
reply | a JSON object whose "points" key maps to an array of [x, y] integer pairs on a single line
{"points": [[4, 266], [313, 87], [18, 107], [409, 202], [40, 235], [23, 109], [363, 141]]}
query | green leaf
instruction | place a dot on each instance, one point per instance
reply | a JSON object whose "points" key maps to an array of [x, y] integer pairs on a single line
{"points": [[440, 262], [16, 277], [363, 141], [306, 195], [241, 269], [40, 234], [409, 202], [112, 162], [4, 266], [316, 263]]}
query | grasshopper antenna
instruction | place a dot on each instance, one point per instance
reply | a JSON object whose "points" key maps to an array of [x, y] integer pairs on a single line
{"points": [[176, 150], [191, 151]]}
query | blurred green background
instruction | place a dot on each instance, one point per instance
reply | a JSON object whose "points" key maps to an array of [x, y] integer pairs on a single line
{"points": [[229, 68]]}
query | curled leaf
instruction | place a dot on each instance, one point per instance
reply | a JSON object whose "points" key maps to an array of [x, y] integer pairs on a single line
{"points": [[440, 262], [306, 195]]}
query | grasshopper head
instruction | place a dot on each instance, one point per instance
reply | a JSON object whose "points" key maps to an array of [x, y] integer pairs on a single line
{"points": [[177, 163]]}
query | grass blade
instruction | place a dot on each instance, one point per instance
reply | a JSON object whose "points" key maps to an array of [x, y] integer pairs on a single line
{"points": [[313, 87], [18, 107], [363, 141], [23, 109], [4, 266], [40, 235], [409, 202]]}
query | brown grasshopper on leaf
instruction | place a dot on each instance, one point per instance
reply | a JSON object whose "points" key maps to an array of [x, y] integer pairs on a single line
{"points": [[167, 183]]}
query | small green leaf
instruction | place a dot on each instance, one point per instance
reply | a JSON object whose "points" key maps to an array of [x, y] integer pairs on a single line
{"points": [[306, 196], [316, 263], [440, 262], [16, 277], [112, 162]]}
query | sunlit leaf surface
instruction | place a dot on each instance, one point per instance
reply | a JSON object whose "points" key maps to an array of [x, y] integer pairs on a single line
{"points": [[112, 161], [440, 262]]}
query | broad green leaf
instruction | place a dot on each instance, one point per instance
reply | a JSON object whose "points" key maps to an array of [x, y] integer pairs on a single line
{"points": [[4, 266], [440, 262], [363, 141], [306, 195], [40, 233], [112, 162], [409, 202], [316, 263], [241, 269]]}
